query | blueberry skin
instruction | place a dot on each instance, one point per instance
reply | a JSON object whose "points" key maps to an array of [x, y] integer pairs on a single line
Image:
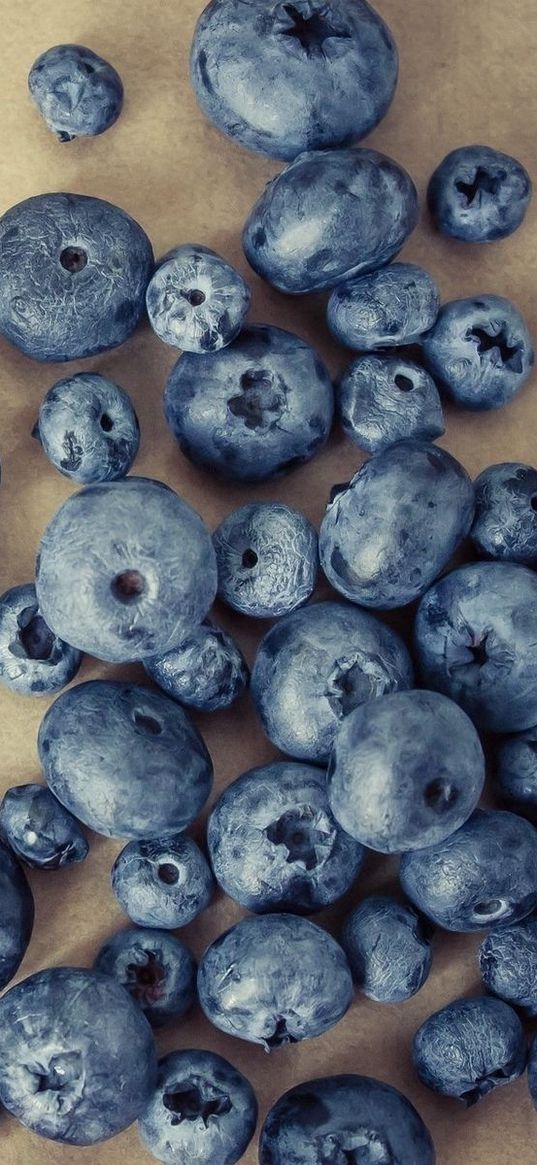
{"points": [[202, 1110], [344, 1118], [17, 918], [478, 194], [385, 399], [385, 309], [532, 1071], [388, 534], [73, 275], [125, 760], [505, 523], [88, 428], [294, 856], [470, 1047], [406, 771], [274, 980], [261, 406], [515, 775], [157, 970], [165, 882], [328, 217], [207, 670], [316, 665], [389, 949], [125, 570], [77, 92], [77, 1058], [475, 640], [480, 350], [195, 300], [508, 964], [39, 830], [33, 660], [482, 875], [267, 558], [282, 78]]}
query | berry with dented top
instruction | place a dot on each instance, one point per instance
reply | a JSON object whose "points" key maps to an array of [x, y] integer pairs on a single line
{"points": [[157, 970], [165, 882], [478, 194], [33, 660], [469, 1048], [77, 92], [385, 399], [267, 559], [88, 428], [206, 670], [505, 523], [39, 830], [195, 300]]}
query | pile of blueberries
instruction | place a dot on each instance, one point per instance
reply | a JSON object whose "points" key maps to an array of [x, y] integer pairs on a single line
{"points": [[385, 745]]}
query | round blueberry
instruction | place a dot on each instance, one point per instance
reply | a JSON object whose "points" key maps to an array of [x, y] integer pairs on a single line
{"points": [[207, 670], [33, 660], [479, 194], [17, 917], [515, 773], [469, 1048], [165, 882], [267, 559], [385, 309], [388, 947], [505, 523], [508, 964], [88, 428], [77, 92], [157, 970], [385, 399], [39, 830], [195, 300]]}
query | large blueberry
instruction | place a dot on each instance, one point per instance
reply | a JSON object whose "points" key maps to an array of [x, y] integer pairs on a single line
{"points": [[195, 300], [77, 1058], [127, 761], [267, 558], [330, 216], [385, 309], [125, 569], [341, 1119], [508, 963], [285, 77], [406, 771], [385, 399], [482, 875], [17, 914], [293, 855], [206, 670], [157, 970], [259, 407], [479, 194], [476, 641], [388, 946], [505, 523], [480, 350], [388, 534], [77, 92], [316, 665], [202, 1110], [274, 979], [470, 1047], [39, 830], [515, 772], [33, 660], [88, 428], [73, 274], [165, 882]]}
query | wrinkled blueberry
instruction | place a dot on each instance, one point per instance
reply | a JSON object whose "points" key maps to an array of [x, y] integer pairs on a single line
{"points": [[259, 407], [505, 523], [33, 661], [330, 216], [476, 641], [207, 670], [385, 309], [127, 761], [125, 569], [480, 350], [73, 274], [388, 947], [508, 963], [389, 533], [515, 773], [157, 970], [17, 914], [195, 300], [77, 92], [165, 882], [88, 428], [202, 1110], [40, 831], [274, 980], [385, 399], [267, 558], [479, 194], [470, 1047]]}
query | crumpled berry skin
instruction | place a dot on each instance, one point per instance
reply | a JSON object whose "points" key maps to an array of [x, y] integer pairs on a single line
{"points": [[478, 194], [388, 946], [17, 920], [385, 399], [195, 300], [40, 830], [88, 428], [267, 559], [508, 964], [388, 308], [77, 92], [156, 968], [470, 1047], [33, 660], [164, 882], [206, 670], [505, 523], [515, 773]]}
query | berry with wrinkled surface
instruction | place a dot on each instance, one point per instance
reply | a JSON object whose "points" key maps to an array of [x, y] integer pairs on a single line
{"points": [[388, 946], [385, 399], [267, 559], [388, 308], [88, 428], [508, 964], [470, 1047], [478, 194], [77, 92], [505, 523], [39, 830], [33, 660], [206, 670], [195, 300], [157, 970], [164, 882]]}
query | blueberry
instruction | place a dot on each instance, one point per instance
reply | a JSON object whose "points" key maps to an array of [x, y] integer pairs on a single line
{"points": [[483, 875], [88, 428], [33, 660], [274, 980], [293, 855], [316, 665], [293, 76], [328, 217], [390, 532], [127, 761], [73, 274], [259, 407], [479, 194], [267, 559], [207, 670], [202, 1110], [480, 350], [77, 1058], [345, 1119], [385, 309], [165, 882], [508, 964], [532, 1071], [470, 1047], [516, 773], [125, 569], [476, 641], [385, 399], [39, 830], [388, 947], [406, 771], [77, 92], [195, 300], [505, 524], [17, 916], [157, 970]]}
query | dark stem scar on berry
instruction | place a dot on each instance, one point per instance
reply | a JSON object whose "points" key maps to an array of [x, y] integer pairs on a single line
{"points": [[193, 296], [249, 559], [312, 29], [296, 832], [73, 259], [128, 586], [280, 1036], [403, 383], [510, 354], [106, 422], [191, 1101], [441, 795], [168, 873], [35, 640], [146, 981], [482, 183]]}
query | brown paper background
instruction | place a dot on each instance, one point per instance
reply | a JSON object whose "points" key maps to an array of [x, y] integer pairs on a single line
{"points": [[467, 74]]}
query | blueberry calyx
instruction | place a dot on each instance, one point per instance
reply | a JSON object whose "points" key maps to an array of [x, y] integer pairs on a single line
{"points": [[146, 981], [486, 1084], [280, 1036], [73, 259], [482, 183], [34, 640], [309, 25], [195, 1099], [298, 830], [507, 354], [356, 1147]]}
